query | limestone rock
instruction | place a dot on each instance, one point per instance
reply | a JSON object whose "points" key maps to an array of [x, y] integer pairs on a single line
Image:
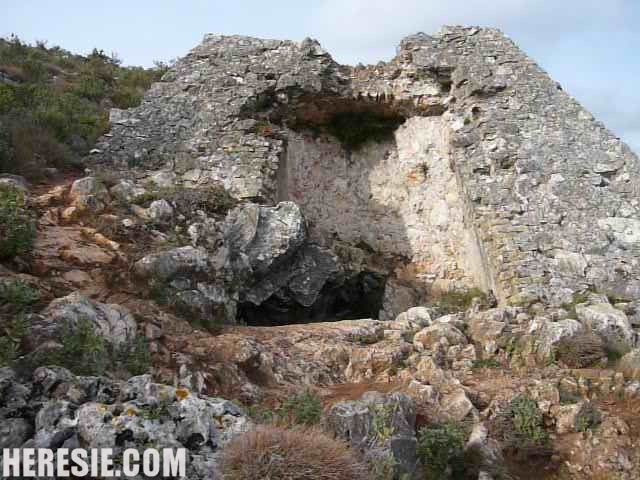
{"points": [[94, 412], [379, 421], [548, 334], [126, 191], [629, 364], [609, 323], [438, 332], [179, 261], [113, 322], [160, 211], [265, 236]]}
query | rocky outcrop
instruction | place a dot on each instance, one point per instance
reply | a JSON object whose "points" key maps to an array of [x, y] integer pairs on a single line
{"points": [[380, 426], [56, 409], [470, 166]]}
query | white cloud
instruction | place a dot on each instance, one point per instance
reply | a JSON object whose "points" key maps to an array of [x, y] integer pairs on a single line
{"points": [[365, 27]]}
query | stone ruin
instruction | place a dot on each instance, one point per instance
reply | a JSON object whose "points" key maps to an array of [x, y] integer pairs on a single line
{"points": [[459, 165]]}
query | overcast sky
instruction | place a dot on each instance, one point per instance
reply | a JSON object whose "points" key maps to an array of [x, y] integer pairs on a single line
{"points": [[591, 47]]}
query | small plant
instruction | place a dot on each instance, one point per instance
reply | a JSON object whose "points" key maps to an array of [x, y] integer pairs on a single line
{"points": [[521, 429], [304, 408], [485, 363], [18, 294], [13, 334], [135, 356], [157, 412], [367, 339], [261, 414], [17, 230], [82, 351], [382, 467], [159, 293], [588, 417], [382, 423], [441, 447], [580, 351], [271, 452]]}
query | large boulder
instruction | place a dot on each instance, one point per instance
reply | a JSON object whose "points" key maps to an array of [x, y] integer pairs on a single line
{"points": [[547, 334], [609, 323], [113, 322], [379, 425], [263, 237], [427, 338], [629, 364], [166, 265]]}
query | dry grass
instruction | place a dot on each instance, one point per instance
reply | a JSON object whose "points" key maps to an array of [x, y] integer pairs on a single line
{"points": [[580, 351], [271, 452]]}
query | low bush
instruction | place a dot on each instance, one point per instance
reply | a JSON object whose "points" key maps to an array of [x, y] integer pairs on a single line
{"points": [[82, 351], [303, 408], [55, 122], [520, 427], [271, 452], [13, 332], [485, 363], [135, 357], [18, 294], [441, 448], [17, 229]]}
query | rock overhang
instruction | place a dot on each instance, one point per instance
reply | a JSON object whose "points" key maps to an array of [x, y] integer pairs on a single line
{"points": [[536, 195]]}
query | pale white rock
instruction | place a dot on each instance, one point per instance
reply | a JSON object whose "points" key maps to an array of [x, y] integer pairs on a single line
{"points": [[611, 324]]}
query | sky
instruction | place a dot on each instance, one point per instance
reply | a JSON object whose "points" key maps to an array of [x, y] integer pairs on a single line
{"points": [[590, 47]]}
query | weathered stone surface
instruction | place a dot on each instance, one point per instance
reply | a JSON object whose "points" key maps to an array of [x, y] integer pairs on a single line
{"points": [[428, 337], [65, 411], [264, 237], [477, 187], [609, 323], [168, 264], [549, 333], [379, 422], [114, 322], [630, 364]]}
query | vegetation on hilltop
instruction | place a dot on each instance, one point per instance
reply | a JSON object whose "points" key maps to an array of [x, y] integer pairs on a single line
{"points": [[54, 104]]}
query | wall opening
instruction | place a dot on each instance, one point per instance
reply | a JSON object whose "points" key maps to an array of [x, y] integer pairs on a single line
{"points": [[358, 296]]}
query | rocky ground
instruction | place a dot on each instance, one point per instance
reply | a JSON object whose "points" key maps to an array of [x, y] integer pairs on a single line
{"points": [[464, 367], [434, 260]]}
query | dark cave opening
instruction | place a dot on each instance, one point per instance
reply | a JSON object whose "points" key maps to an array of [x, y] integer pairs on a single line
{"points": [[358, 296]]}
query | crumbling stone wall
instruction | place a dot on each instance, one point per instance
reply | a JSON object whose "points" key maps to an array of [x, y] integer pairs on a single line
{"points": [[496, 179]]}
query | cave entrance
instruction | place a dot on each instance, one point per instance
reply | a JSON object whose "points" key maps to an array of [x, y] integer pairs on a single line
{"points": [[358, 296]]}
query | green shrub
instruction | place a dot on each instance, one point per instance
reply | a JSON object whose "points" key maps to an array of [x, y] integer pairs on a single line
{"points": [[13, 332], [18, 293], [382, 422], [17, 230], [521, 429], [35, 148], [441, 448], [72, 108], [303, 408], [135, 356], [485, 363], [83, 351], [455, 301]]}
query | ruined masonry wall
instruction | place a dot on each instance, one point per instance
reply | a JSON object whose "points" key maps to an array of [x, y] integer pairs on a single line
{"points": [[524, 193]]}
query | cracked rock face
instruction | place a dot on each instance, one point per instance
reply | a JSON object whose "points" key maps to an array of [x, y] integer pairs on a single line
{"points": [[458, 164]]}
